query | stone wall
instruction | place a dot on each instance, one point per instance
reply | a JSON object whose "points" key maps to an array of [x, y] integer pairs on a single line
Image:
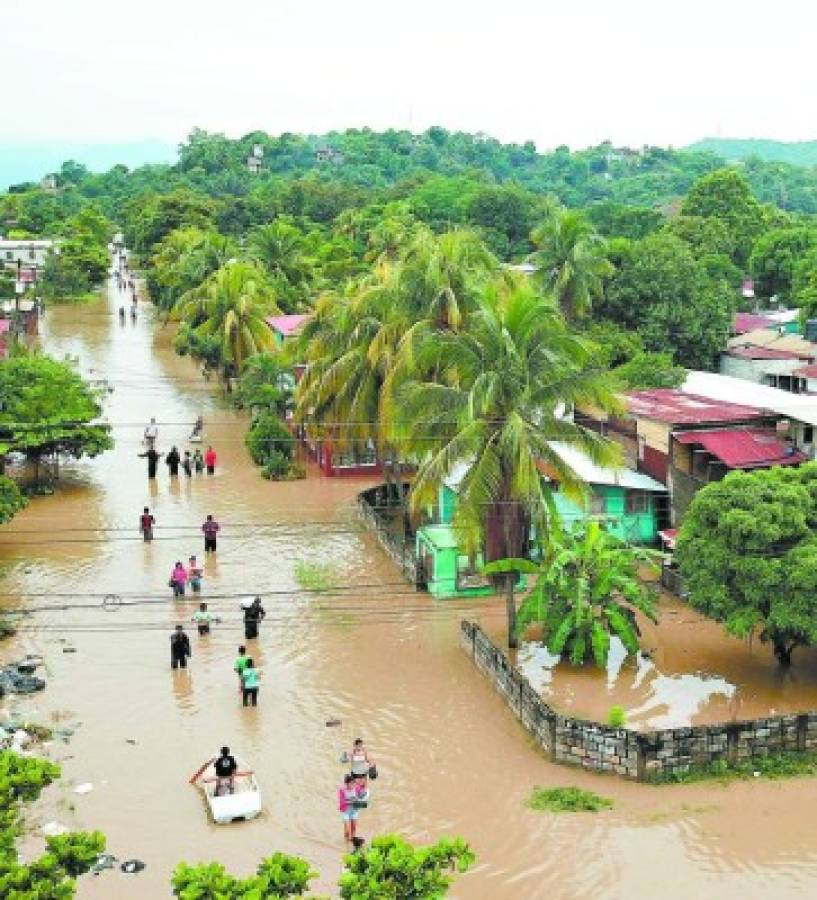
{"points": [[398, 546], [632, 754]]}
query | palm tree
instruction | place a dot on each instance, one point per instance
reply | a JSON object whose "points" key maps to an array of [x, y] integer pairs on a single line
{"points": [[231, 307], [570, 260], [280, 248], [497, 397], [587, 590]]}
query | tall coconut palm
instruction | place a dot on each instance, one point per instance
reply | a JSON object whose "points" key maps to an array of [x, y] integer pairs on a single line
{"points": [[587, 590], [280, 248], [497, 398], [231, 306], [570, 260]]}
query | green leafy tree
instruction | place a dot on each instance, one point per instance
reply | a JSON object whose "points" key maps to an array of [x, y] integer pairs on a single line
{"points": [[265, 384], [78, 266], [587, 590], [571, 261], [748, 555], [650, 370], [12, 500], [52, 875], [270, 444], [392, 869], [46, 408], [775, 256], [278, 876], [490, 398], [232, 306], [662, 291]]}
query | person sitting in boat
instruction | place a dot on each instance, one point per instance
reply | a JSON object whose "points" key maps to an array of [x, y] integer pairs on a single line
{"points": [[226, 768]]}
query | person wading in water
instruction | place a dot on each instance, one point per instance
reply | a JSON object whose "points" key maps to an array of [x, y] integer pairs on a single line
{"points": [[253, 614], [210, 528], [173, 459], [153, 460], [179, 648], [146, 523]]}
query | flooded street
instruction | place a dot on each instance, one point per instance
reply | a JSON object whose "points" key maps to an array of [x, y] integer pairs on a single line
{"points": [[377, 656]]}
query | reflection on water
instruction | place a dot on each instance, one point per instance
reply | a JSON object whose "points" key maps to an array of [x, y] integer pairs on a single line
{"points": [[651, 698], [379, 657]]}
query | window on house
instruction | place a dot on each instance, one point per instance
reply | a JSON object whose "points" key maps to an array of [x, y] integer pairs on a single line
{"points": [[597, 504], [808, 434], [9, 254], [32, 254], [637, 502]]}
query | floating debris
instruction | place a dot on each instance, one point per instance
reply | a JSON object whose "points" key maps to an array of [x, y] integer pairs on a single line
{"points": [[54, 829], [85, 788], [333, 723], [103, 861], [17, 678], [131, 866]]}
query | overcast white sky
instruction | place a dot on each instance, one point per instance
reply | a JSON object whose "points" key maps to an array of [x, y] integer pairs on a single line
{"points": [[570, 71]]}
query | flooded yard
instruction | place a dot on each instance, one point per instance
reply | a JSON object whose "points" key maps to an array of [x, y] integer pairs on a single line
{"points": [[376, 655]]}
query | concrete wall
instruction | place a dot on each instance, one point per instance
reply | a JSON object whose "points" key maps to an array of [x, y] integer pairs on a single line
{"points": [[636, 755], [756, 369]]}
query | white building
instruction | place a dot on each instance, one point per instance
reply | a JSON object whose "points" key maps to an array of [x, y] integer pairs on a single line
{"points": [[31, 254], [799, 411]]}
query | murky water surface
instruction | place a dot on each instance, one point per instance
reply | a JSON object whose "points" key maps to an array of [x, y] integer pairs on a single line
{"points": [[377, 656]]}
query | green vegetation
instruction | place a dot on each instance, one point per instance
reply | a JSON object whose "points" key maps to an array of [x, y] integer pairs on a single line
{"points": [[46, 409], [313, 576], [587, 590], [52, 875], [617, 717], [798, 153], [569, 799], [748, 554], [270, 444], [12, 499], [775, 765], [389, 869]]}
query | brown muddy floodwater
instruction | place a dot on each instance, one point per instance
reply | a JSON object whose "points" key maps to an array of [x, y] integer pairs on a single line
{"points": [[377, 656]]}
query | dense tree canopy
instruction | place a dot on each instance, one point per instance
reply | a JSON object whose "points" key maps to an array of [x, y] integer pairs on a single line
{"points": [[748, 553]]}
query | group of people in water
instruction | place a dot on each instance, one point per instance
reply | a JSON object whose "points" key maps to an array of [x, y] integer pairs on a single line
{"points": [[189, 462]]}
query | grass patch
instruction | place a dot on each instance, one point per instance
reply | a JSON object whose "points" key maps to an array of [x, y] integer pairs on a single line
{"points": [[617, 717], [776, 765], [314, 576], [569, 799]]}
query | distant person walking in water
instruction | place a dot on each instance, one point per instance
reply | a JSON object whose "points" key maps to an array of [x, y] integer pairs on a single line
{"points": [[187, 464], [194, 574], [152, 457], [210, 528], [203, 617], [198, 461], [151, 431], [179, 648], [173, 459], [240, 665], [178, 579], [146, 523], [249, 684], [210, 461], [253, 614]]}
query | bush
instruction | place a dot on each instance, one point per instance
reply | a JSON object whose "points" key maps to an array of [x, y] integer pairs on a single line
{"points": [[569, 799], [617, 717], [11, 499], [270, 445]]}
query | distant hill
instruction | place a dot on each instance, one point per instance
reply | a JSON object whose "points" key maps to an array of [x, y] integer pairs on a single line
{"points": [[29, 162], [798, 153]]}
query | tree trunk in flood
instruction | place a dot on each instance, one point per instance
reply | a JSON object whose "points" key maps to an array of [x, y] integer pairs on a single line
{"points": [[510, 603]]}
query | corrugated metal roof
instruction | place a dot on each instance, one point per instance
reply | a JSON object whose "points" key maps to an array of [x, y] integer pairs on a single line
{"points": [[769, 337], [743, 448], [288, 325], [765, 353], [677, 407], [744, 322], [802, 407], [588, 472]]}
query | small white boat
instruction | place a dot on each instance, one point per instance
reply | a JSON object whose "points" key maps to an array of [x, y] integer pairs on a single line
{"points": [[243, 803]]}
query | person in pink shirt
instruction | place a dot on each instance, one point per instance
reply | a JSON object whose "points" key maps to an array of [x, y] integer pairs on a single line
{"points": [[178, 579], [210, 460], [352, 797]]}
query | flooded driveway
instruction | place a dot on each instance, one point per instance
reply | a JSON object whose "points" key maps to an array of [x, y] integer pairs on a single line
{"points": [[377, 656]]}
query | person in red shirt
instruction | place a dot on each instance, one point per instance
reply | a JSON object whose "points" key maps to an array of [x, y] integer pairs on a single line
{"points": [[146, 523], [210, 460], [210, 529]]}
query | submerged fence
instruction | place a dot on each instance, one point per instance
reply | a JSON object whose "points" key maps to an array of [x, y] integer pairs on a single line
{"points": [[385, 520], [632, 754]]}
